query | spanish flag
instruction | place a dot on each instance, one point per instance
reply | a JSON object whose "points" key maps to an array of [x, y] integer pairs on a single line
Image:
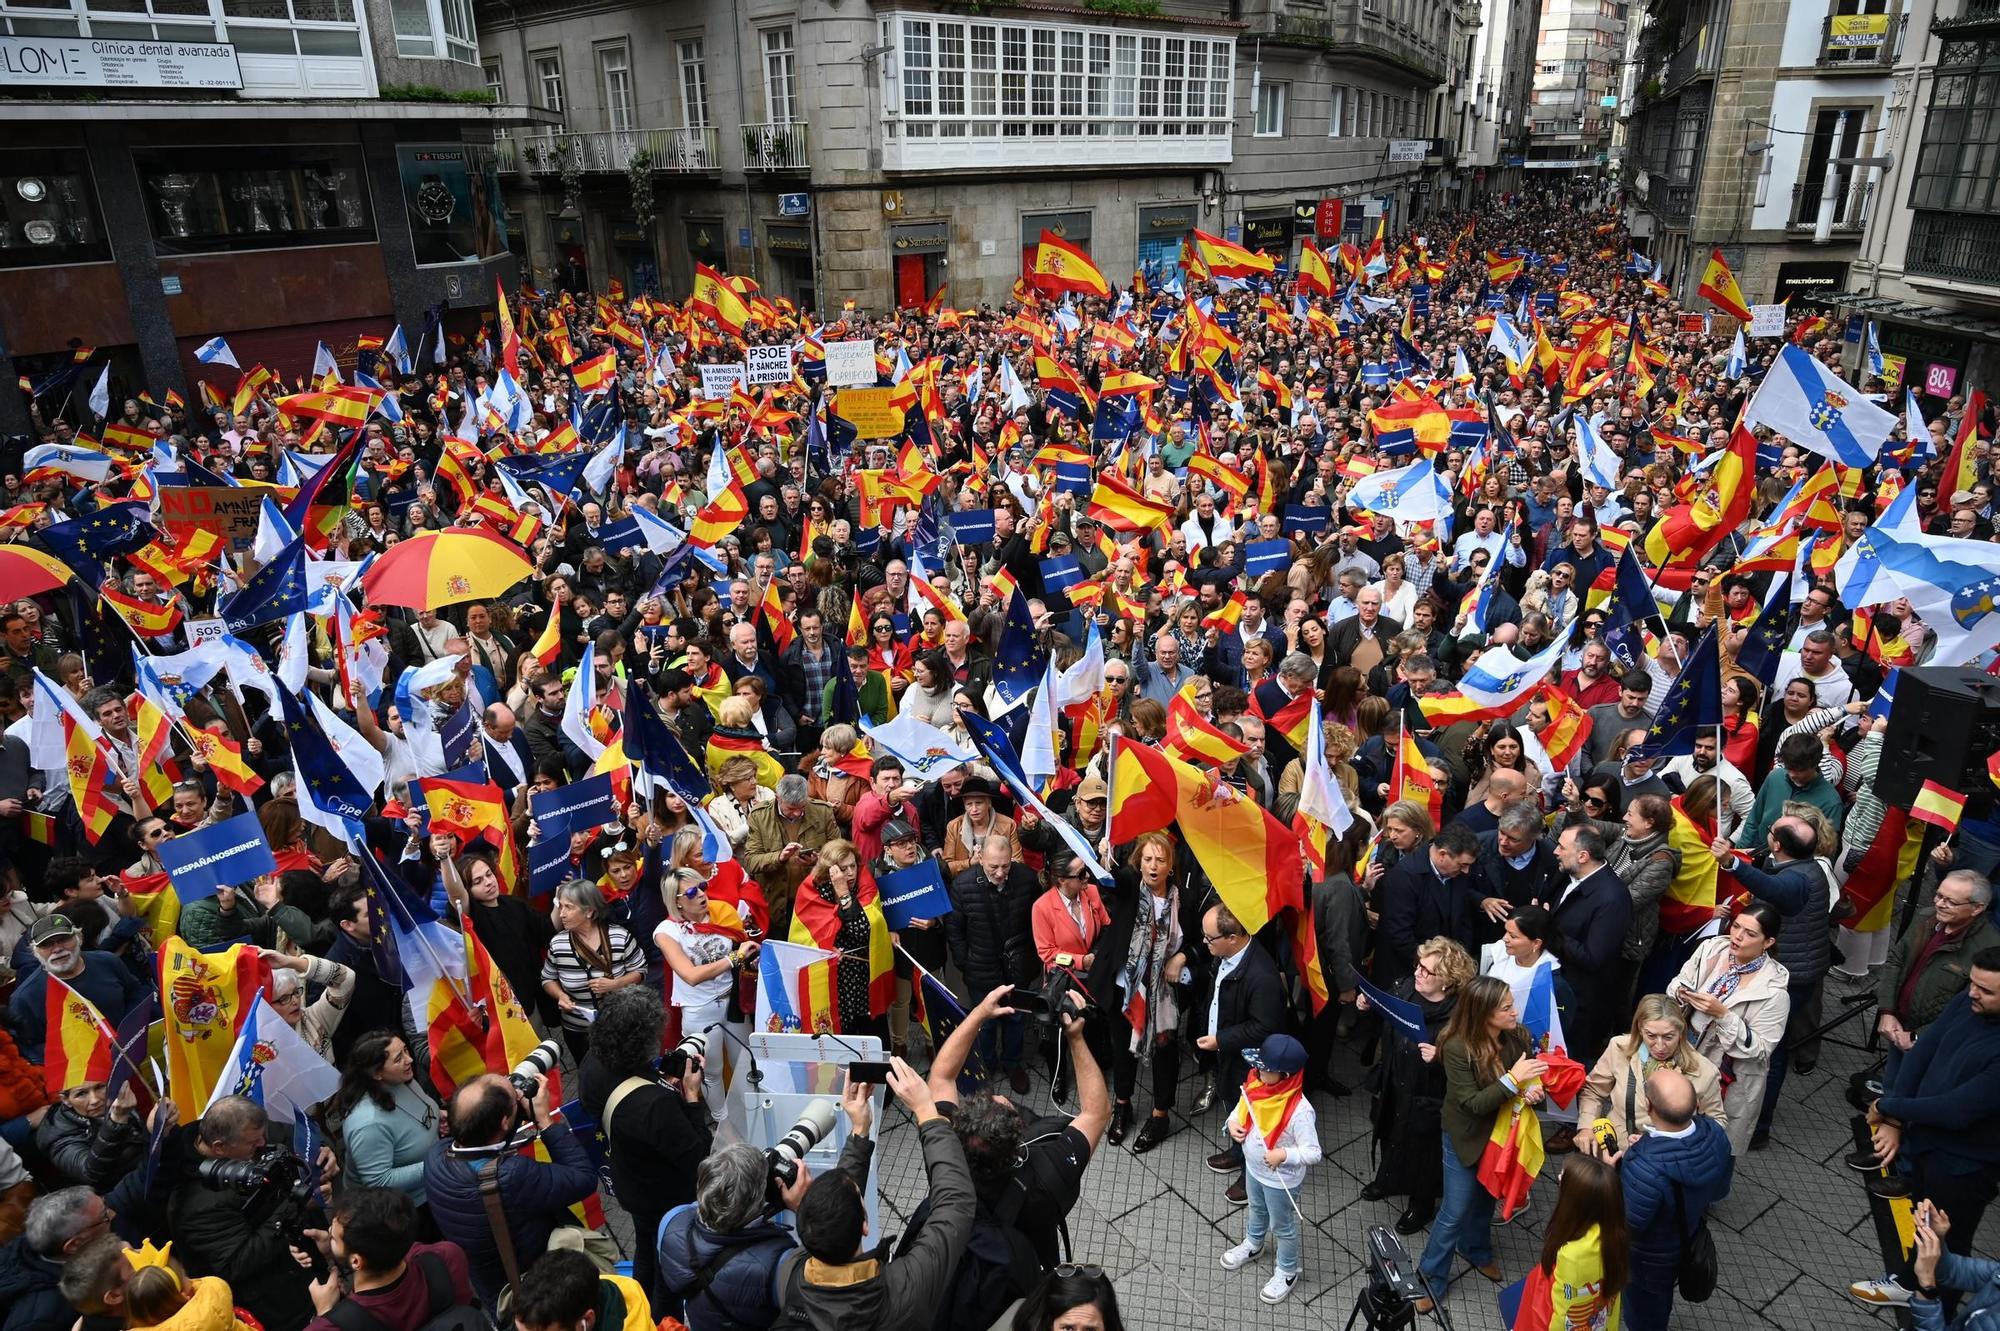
{"points": [[548, 646], [1414, 780], [1292, 720], [1061, 266], [1252, 859], [468, 809], [1890, 861], [1116, 506], [1269, 1105], [1718, 284], [206, 997], [1961, 465], [80, 1042], [1226, 259], [1513, 1156], [344, 407], [714, 297], [1193, 740], [771, 610], [225, 761], [816, 923], [510, 340], [1315, 273], [145, 619], [722, 747], [1689, 531], [154, 734], [1568, 729], [724, 514], [1939, 806], [592, 375]]}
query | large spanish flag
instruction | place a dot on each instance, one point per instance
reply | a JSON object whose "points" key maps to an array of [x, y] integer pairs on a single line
{"points": [[1691, 898], [816, 923], [1891, 860], [1194, 740], [714, 297], [1226, 259], [80, 1043], [1513, 1156], [1689, 531], [1252, 859], [1315, 273], [1961, 465], [1292, 720], [1719, 285], [206, 997], [724, 513], [1114, 504], [1061, 266]]}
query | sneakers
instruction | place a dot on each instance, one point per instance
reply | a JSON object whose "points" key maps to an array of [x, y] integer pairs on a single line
{"points": [[1279, 1287], [1883, 1293], [1239, 1256], [1865, 1162]]}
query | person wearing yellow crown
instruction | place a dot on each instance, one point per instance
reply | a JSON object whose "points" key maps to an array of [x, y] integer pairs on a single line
{"points": [[162, 1294]]}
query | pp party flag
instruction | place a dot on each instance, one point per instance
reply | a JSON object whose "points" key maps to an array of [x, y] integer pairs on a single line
{"points": [[1816, 409], [1513, 1156], [79, 1046], [227, 854], [1688, 531], [915, 893], [206, 998], [1494, 685], [1115, 505], [1251, 858], [1718, 284], [1061, 266], [1194, 740], [1939, 806], [795, 989], [271, 1065]]}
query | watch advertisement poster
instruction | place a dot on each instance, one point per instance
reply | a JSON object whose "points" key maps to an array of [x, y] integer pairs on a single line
{"points": [[452, 192]]}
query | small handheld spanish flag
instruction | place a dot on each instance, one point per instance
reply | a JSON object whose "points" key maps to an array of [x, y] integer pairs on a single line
{"points": [[1939, 806]]}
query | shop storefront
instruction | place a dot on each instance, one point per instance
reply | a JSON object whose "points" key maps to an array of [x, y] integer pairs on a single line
{"points": [[1270, 232], [917, 255], [791, 265], [1071, 227], [1162, 230]]}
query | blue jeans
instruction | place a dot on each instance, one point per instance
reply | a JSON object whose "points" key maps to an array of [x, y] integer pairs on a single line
{"points": [[1464, 1222], [1000, 1044], [1649, 1297], [1271, 1208]]}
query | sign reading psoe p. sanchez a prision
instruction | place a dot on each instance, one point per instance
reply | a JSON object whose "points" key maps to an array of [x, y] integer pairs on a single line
{"points": [[91, 64]]}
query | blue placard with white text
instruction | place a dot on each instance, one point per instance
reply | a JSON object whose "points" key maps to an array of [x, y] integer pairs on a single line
{"points": [[915, 893], [229, 854]]}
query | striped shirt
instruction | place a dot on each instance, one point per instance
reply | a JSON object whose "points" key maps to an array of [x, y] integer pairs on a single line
{"points": [[567, 969]]}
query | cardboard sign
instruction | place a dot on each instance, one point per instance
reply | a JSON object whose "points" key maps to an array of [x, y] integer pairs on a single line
{"points": [[226, 510], [769, 365], [851, 364], [1767, 321], [717, 380], [869, 411]]}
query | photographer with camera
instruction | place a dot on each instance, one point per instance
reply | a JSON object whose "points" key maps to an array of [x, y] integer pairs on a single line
{"points": [[834, 1284], [241, 1210], [656, 1128], [719, 1257], [392, 1282], [494, 1202], [1026, 1175]]}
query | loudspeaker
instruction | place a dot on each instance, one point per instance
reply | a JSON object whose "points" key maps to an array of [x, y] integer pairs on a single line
{"points": [[1943, 726]]}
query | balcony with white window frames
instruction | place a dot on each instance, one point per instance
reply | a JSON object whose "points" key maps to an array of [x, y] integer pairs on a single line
{"points": [[774, 147], [972, 94], [1850, 205]]}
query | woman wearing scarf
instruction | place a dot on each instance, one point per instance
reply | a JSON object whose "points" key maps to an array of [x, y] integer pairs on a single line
{"points": [[1734, 988], [1141, 957], [1409, 1087], [838, 774], [704, 942], [836, 909]]}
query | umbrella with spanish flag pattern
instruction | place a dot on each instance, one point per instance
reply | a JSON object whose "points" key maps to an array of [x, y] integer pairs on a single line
{"points": [[443, 568]]}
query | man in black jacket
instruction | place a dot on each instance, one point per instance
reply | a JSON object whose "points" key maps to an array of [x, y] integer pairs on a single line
{"points": [[992, 940], [1428, 893], [1517, 866], [1245, 1003], [215, 1237], [1592, 912]]}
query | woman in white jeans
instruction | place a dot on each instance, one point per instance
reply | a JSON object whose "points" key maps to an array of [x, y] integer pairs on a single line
{"points": [[702, 945]]}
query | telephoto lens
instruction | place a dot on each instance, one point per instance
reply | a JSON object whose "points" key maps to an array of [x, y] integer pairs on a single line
{"points": [[693, 1046], [813, 1125], [537, 1064]]}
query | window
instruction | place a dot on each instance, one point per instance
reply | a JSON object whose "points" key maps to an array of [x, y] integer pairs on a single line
{"points": [[1857, 32], [780, 88], [461, 34], [966, 79], [694, 84], [425, 29], [1336, 107], [496, 82], [48, 209], [1271, 109], [549, 81], [259, 198], [614, 75], [1958, 162], [1687, 142], [1836, 133]]}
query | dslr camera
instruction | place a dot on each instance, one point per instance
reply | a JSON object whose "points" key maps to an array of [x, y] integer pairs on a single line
{"points": [[536, 1065], [276, 1187], [692, 1049], [815, 1121]]}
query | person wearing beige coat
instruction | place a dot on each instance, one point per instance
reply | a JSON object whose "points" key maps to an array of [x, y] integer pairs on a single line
{"points": [[1734, 988], [1617, 1090]]}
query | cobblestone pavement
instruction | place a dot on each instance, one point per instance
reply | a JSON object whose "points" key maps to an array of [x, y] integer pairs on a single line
{"points": [[1793, 1231]]}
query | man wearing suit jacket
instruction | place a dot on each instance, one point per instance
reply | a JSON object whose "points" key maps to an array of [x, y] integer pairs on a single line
{"points": [[1362, 639], [1588, 936], [1245, 1002], [510, 761], [1429, 892], [1294, 676]]}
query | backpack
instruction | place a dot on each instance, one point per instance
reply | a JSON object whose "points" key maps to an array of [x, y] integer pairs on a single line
{"points": [[445, 1313], [998, 1266]]}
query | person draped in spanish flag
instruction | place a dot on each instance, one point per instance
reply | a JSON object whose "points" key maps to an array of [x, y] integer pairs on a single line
{"points": [[1280, 1136], [705, 942], [838, 909]]}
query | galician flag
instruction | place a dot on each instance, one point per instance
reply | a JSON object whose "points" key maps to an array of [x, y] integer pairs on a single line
{"points": [[1813, 407]]}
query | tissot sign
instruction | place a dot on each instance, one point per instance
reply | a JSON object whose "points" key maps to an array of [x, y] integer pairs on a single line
{"points": [[92, 64]]}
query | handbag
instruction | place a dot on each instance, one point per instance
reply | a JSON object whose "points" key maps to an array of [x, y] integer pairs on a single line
{"points": [[1698, 1267]]}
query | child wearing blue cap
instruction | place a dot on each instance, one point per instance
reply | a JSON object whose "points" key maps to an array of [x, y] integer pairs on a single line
{"points": [[1280, 1136]]}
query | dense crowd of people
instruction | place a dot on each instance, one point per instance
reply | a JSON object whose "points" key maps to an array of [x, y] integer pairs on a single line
{"points": [[1535, 911]]}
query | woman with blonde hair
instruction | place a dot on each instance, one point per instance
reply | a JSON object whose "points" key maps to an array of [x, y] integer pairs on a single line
{"points": [[837, 908], [1617, 1086], [834, 774], [1144, 953], [1409, 1086], [737, 792]]}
